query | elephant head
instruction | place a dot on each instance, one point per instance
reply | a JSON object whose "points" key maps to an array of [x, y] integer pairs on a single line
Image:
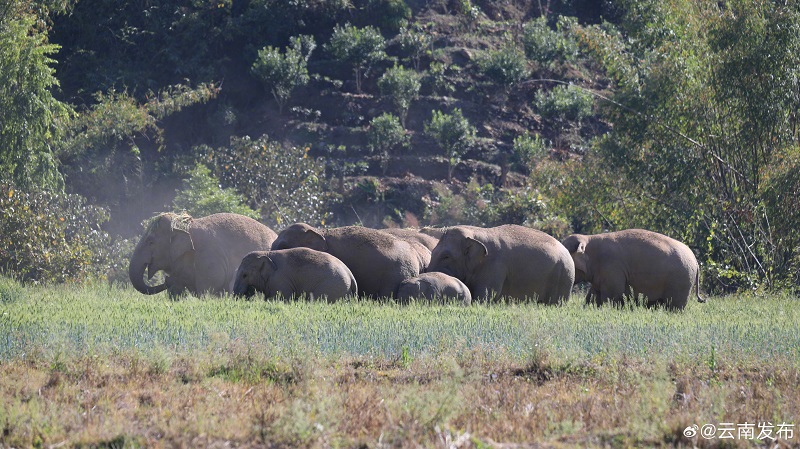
{"points": [[300, 235], [458, 254], [576, 245], [165, 240], [253, 274]]}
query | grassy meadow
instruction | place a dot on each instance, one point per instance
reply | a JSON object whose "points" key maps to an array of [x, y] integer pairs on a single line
{"points": [[99, 366]]}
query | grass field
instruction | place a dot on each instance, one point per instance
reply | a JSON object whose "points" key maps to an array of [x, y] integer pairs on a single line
{"points": [[107, 367]]}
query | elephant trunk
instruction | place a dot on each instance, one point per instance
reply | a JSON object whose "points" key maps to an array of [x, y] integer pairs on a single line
{"points": [[136, 274], [242, 288]]}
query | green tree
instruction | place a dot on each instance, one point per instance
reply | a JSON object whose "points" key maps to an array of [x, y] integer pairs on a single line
{"points": [[401, 86], [201, 195], [454, 135], [384, 134], [31, 119], [506, 66], [358, 48], [283, 72], [706, 97]]}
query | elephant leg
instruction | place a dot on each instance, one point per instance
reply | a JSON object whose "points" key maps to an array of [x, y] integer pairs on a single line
{"points": [[592, 296]]}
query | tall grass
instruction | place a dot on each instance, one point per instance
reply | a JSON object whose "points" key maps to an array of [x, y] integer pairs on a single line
{"points": [[66, 320]]}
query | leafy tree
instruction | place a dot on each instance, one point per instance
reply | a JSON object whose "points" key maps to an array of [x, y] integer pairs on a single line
{"points": [[453, 133], [414, 41], [31, 119], [201, 195], [506, 66], [706, 106], [386, 133], [283, 184], [283, 72], [358, 48], [391, 14], [564, 103], [545, 45], [401, 86]]}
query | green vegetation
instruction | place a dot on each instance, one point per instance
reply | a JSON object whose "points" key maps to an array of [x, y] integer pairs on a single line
{"points": [[201, 196], [283, 72], [453, 134], [676, 116], [296, 372]]}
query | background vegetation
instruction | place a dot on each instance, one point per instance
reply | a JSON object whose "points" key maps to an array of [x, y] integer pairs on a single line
{"points": [[572, 116]]}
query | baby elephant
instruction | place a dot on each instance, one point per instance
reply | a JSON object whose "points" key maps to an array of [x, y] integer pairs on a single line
{"points": [[293, 272], [434, 285]]}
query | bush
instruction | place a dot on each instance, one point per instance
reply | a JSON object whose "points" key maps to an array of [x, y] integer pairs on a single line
{"points": [[564, 103], [453, 133], [415, 42], [401, 86], [282, 73], [50, 237], [506, 66], [528, 150], [544, 45], [391, 14], [283, 184], [202, 196], [359, 48], [385, 134]]}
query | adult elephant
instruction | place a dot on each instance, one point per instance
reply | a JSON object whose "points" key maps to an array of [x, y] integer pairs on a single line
{"points": [[506, 261], [200, 255], [423, 244], [293, 272], [651, 264], [379, 261]]}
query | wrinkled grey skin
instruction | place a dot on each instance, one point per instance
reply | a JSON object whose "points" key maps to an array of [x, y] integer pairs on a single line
{"points": [[648, 263], [434, 286], [423, 244], [200, 256], [506, 261], [379, 261], [294, 272]]}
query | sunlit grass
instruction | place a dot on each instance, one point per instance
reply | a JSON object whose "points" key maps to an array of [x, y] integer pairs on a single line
{"points": [[82, 320]]}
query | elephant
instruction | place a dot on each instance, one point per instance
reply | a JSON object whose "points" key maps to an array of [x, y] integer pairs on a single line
{"points": [[423, 244], [198, 254], [379, 261], [506, 261], [648, 263], [434, 285], [293, 272]]}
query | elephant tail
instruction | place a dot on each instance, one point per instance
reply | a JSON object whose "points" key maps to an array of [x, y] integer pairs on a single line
{"points": [[697, 286], [353, 286]]}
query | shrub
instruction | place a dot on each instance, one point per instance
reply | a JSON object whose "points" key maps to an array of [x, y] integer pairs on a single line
{"points": [[359, 48], [528, 150], [564, 103], [545, 45], [202, 196], [506, 66], [282, 73], [453, 133], [401, 86], [50, 237], [386, 133], [415, 42], [391, 14], [283, 184]]}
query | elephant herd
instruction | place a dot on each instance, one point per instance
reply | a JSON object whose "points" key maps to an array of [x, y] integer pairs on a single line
{"points": [[229, 253]]}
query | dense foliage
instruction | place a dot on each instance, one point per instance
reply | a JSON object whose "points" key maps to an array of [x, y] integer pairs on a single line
{"points": [[677, 116]]}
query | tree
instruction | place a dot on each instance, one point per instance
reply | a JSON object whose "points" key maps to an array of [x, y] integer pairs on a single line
{"points": [[31, 119], [453, 133], [201, 196], [386, 133], [359, 48], [282, 73], [706, 100], [401, 86]]}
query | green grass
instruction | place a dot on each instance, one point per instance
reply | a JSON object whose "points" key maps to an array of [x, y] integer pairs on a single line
{"points": [[87, 320], [96, 366]]}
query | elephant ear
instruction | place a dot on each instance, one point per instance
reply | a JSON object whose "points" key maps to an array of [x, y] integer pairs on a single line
{"points": [[180, 243], [313, 235], [267, 262], [580, 258], [475, 248]]}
